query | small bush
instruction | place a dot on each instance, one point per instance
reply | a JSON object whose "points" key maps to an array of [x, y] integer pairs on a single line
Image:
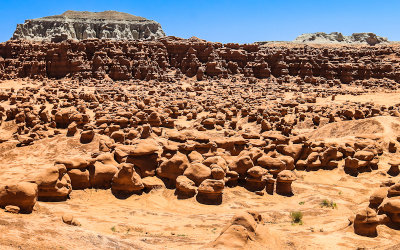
{"points": [[330, 204], [297, 217], [301, 203], [113, 229]]}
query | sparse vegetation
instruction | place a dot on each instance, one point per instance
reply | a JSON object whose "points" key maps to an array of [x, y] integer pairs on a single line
{"points": [[328, 204], [297, 217]]}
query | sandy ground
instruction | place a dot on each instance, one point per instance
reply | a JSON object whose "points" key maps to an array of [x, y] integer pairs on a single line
{"points": [[388, 99], [158, 220]]}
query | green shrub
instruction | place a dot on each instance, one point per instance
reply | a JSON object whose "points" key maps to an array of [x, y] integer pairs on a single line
{"points": [[297, 217], [330, 204]]}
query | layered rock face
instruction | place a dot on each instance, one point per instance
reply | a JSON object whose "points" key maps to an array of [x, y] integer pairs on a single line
{"points": [[84, 25], [337, 37], [170, 58]]}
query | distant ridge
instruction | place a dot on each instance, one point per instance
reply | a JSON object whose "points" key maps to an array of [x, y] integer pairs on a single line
{"points": [[80, 25], [337, 37]]}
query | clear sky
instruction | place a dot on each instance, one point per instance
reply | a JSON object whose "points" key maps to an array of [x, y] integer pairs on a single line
{"points": [[244, 21]]}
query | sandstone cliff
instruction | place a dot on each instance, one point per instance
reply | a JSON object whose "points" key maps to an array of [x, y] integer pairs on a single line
{"points": [[85, 25], [146, 60], [337, 37]]}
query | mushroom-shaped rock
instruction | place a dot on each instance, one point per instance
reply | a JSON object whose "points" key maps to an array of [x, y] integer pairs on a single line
{"points": [[143, 155], [377, 197], [284, 182], [23, 195], [274, 165], [217, 172], [101, 175], [54, 184], [351, 165], [257, 172], [365, 222], [210, 192], [255, 179], [126, 180], [146, 165], [185, 188], [197, 172], [391, 207], [172, 168], [80, 178], [394, 168]]}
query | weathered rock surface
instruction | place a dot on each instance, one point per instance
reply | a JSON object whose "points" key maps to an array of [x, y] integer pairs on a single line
{"points": [[23, 195], [337, 37], [133, 117], [170, 59], [86, 25]]}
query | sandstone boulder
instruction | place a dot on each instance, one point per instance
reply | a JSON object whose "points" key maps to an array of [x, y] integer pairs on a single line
{"points": [[210, 192], [23, 195]]}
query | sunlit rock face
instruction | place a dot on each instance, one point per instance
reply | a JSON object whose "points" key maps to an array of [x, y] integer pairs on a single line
{"points": [[337, 37], [80, 25]]}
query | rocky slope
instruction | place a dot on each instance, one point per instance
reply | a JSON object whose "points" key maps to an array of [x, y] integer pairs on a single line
{"points": [[84, 25], [171, 57], [164, 163], [337, 37]]}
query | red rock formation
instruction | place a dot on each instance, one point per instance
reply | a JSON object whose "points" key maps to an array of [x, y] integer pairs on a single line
{"points": [[126, 60]]}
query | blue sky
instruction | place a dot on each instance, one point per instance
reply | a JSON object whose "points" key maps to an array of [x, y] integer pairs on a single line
{"points": [[228, 20]]}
